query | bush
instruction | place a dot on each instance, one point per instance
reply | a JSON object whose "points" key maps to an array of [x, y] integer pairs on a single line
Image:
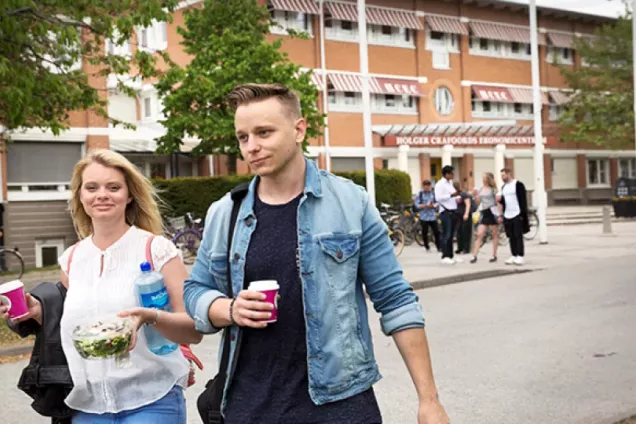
{"points": [[195, 194]]}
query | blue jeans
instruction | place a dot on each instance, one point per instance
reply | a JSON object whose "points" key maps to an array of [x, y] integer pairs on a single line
{"points": [[170, 409]]}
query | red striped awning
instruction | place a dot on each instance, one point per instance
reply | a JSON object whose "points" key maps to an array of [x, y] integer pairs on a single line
{"points": [[561, 40], [503, 32], [300, 6], [393, 18], [446, 24], [377, 85], [506, 94], [342, 11], [375, 15], [316, 79], [560, 97]]}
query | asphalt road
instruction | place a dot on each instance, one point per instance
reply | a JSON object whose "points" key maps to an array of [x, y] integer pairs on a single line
{"points": [[553, 346]]}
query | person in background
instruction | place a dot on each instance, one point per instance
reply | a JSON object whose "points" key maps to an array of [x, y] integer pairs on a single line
{"points": [[425, 204], [465, 227], [446, 197], [486, 196], [515, 215]]}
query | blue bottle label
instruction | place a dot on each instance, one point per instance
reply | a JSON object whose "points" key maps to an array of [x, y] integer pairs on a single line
{"points": [[158, 299]]}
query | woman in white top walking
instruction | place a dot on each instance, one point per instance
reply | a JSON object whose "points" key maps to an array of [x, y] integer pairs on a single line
{"points": [[115, 212], [486, 197]]}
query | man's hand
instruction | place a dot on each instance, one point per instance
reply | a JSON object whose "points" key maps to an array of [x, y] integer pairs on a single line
{"points": [[466, 217], [500, 219], [432, 412], [249, 308]]}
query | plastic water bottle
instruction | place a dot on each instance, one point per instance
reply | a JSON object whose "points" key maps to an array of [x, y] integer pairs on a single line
{"points": [[153, 294]]}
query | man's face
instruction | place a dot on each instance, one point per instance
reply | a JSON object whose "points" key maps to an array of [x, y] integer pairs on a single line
{"points": [[427, 187], [505, 177], [449, 176], [268, 136]]}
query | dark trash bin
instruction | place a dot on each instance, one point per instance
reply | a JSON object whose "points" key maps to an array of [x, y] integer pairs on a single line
{"points": [[624, 199]]}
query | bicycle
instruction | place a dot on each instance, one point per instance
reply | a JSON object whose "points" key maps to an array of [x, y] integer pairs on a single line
{"points": [[533, 222], [396, 234], [11, 265], [409, 222], [186, 233]]}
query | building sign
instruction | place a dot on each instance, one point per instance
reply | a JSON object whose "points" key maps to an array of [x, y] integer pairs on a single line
{"points": [[396, 86], [492, 94], [461, 141]]}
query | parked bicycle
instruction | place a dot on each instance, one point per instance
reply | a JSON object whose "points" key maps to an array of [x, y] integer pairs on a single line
{"points": [[392, 218], [11, 265], [533, 222], [410, 224], [186, 233]]}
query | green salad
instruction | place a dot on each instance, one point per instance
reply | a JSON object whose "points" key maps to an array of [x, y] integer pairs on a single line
{"points": [[103, 338]]}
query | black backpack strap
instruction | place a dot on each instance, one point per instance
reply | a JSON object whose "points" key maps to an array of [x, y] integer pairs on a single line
{"points": [[238, 193]]}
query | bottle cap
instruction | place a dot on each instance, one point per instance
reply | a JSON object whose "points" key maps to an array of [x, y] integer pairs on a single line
{"points": [[145, 267]]}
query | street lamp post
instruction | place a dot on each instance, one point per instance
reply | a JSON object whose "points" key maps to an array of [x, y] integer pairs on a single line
{"points": [[366, 101], [540, 198]]}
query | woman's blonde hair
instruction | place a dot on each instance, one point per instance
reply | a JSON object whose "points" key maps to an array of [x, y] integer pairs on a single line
{"points": [[142, 211], [490, 181]]}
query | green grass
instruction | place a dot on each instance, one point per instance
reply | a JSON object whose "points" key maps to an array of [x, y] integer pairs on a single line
{"points": [[9, 338]]}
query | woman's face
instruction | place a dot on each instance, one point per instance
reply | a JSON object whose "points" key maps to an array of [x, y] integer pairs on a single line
{"points": [[104, 193], [484, 179]]}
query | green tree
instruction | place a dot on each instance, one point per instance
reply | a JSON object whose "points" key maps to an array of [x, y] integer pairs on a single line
{"points": [[600, 110], [228, 47], [42, 43]]}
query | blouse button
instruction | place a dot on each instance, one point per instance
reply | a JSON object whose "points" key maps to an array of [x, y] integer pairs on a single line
{"points": [[249, 221], [237, 256]]}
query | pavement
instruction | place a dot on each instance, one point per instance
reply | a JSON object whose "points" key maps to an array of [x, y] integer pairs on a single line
{"points": [[549, 346]]}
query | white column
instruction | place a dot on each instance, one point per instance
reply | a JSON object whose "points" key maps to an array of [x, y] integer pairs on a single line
{"points": [[325, 93], [539, 184], [211, 164], [447, 155], [500, 163], [403, 158], [366, 101]]}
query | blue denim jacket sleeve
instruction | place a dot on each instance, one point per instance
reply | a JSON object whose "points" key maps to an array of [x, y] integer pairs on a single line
{"points": [[392, 296], [201, 289]]}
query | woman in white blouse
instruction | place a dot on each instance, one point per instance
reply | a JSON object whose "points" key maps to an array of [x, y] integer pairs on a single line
{"points": [[115, 211]]}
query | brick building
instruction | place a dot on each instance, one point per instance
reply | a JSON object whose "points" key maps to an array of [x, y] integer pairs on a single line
{"points": [[451, 83]]}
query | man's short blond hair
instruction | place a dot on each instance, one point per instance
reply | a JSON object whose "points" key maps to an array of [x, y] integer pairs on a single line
{"points": [[249, 93]]}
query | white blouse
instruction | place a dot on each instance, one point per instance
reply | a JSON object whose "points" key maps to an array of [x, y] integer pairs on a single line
{"points": [[99, 385]]}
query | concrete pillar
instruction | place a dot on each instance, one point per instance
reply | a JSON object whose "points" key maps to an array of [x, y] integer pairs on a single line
{"points": [[403, 158], [425, 166], [509, 163], [500, 161], [581, 171], [447, 155], [613, 164], [547, 171]]}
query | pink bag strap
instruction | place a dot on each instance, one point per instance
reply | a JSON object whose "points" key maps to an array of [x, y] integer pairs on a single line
{"points": [[70, 258], [149, 252]]}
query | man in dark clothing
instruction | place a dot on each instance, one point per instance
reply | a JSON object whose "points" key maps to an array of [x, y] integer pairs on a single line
{"points": [[515, 215], [426, 206], [465, 228]]}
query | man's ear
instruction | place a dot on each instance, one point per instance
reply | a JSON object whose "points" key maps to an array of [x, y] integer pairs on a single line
{"points": [[301, 130]]}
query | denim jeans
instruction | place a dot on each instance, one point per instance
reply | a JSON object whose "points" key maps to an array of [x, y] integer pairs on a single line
{"points": [[170, 409], [449, 224]]}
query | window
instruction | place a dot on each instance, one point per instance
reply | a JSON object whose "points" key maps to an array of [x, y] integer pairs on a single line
{"points": [[597, 172], [341, 30], [555, 112], [627, 168], [515, 48], [117, 49], [497, 48], [444, 103], [390, 36], [154, 37], [486, 106], [350, 98], [389, 100], [441, 60], [483, 109], [559, 55], [518, 108], [147, 107], [380, 103], [285, 20], [483, 44], [47, 252], [152, 107], [442, 42]]}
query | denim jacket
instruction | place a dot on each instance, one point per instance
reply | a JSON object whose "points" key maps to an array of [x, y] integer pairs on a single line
{"points": [[344, 249]]}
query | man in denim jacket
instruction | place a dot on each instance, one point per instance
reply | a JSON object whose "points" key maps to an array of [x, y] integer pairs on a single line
{"points": [[318, 236]]}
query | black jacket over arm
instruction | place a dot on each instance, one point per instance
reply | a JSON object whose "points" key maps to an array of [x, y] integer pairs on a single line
{"points": [[46, 378], [522, 198]]}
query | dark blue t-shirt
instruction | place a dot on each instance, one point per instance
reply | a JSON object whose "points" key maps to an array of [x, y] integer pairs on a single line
{"points": [[270, 384]]}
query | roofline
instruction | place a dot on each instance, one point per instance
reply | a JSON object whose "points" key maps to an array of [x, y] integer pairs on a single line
{"points": [[542, 11]]}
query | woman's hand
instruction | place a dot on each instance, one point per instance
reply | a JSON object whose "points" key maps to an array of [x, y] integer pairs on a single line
{"points": [[139, 316], [35, 311]]}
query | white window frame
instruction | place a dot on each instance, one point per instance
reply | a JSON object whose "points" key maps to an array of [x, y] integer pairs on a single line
{"points": [[350, 102], [449, 42], [560, 55], [397, 38], [440, 60], [498, 49], [156, 36], [444, 102], [336, 32], [156, 106], [76, 66], [630, 166], [110, 48], [502, 110], [601, 164], [290, 20], [555, 112], [39, 244]]}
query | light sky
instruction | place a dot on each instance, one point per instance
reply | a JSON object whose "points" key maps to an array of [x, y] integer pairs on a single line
{"points": [[612, 8]]}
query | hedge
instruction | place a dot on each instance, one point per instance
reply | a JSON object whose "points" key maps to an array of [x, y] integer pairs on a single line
{"points": [[195, 194]]}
